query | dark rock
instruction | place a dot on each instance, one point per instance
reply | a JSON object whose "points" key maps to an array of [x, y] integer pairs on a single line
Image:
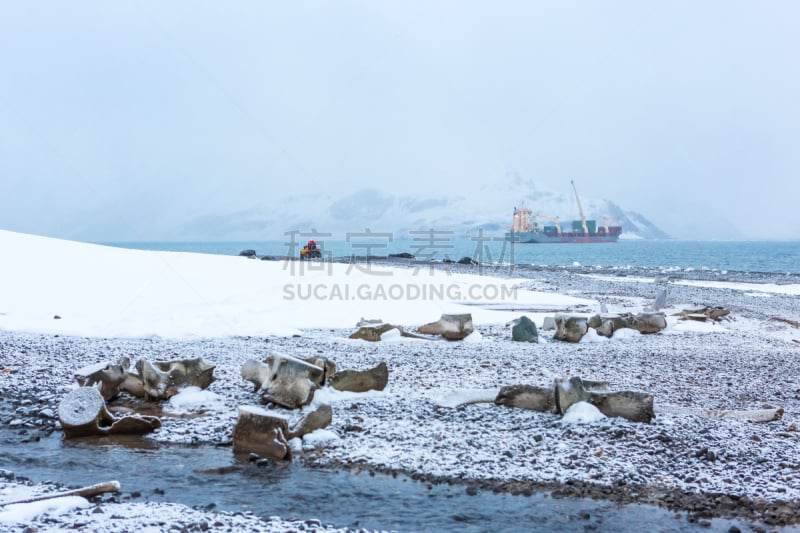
{"points": [[248, 253], [524, 330], [402, 255], [701, 453], [467, 261], [56, 317]]}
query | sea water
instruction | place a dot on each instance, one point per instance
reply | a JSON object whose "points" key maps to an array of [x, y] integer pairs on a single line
{"points": [[777, 257]]}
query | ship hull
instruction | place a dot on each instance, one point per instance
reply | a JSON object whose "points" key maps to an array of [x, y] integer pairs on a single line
{"points": [[530, 237]]}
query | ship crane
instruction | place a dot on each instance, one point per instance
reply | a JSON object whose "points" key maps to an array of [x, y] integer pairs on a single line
{"points": [[554, 220], [580, 209]]}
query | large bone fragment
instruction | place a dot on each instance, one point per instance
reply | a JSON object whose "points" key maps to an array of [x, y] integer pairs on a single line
{"points": [[319, 418], [634, 406], [83, 412], [284, 380], [645, 323], [361, 381], [107, 376], [451, 327], [162, 380], [261, 432], [570, 328]]}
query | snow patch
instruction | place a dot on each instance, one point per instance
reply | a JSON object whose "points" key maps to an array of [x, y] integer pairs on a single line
{"points": [[582, 413], [475, 336], [25, 512], [194, 398], [460, 397], [330, 395], [625, 333], [252, 409], [116, 292], [320, 437]]}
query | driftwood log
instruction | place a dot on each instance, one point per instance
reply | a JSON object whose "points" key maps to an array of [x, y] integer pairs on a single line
{"points": [[752, 415], [85, 492], [704, 313], [634, 406], [284, 380], [362, 381], [261, 432], [83, 412], [794, 323], [451, 327]]}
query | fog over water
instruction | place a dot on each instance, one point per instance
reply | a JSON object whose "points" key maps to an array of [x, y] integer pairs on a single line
{"points": [[186, 120]]}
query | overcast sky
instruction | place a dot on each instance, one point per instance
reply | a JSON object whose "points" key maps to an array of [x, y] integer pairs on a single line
{"points": [[115, 116]]}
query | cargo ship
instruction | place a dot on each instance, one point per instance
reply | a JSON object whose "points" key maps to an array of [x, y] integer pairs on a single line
{"points": [[525, 228]]}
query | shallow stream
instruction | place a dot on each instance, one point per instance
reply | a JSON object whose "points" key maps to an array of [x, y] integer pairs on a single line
{"points": [[210, 477]]}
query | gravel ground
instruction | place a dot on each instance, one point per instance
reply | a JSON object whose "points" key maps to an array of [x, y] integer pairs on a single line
{"points": [[702, 465]]}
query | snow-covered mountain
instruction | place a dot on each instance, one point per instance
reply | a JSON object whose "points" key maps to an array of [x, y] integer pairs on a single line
{"points": [[489, 208]]}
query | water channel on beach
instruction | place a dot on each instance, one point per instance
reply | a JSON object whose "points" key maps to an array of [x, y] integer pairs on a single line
{"points": [[210, 477]]}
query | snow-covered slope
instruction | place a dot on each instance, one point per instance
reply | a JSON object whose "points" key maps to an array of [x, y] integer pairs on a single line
{"points": [[102, 291], [489, 208]]}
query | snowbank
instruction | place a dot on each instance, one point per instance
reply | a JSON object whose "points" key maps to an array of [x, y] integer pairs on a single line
{"points": [[25, 512], [102, 291]]}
